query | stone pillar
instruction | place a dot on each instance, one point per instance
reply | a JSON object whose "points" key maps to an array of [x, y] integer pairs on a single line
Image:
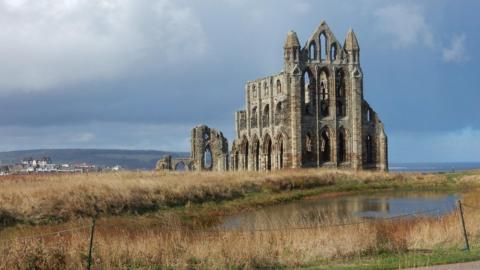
{"points": [[383, 149], [356, 96], [296, 118]]}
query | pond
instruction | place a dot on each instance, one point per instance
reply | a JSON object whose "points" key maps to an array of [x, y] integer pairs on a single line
{"points": [[346, 208]]}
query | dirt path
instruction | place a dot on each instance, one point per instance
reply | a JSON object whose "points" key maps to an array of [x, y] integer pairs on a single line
{"points": [[456, 266]]}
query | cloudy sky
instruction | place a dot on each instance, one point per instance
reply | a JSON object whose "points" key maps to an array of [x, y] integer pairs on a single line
{"points": [[139, 74]]}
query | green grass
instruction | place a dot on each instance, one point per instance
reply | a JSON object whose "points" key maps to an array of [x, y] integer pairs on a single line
{"points": [[400, 261]]}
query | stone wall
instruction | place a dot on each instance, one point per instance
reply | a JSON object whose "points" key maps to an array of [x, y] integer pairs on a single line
{"points": [[209, 152], [312, 114]]}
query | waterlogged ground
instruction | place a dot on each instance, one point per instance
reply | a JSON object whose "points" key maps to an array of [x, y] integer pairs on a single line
{"points": [[347, 207]]}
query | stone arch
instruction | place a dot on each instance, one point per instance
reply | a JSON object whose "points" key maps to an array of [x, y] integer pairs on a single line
{"points": [[369, 149], [324, 92], [207, 158], [342, 145], [369, 115], [236, 156], [312, 50], [309, 150], [280, 147], [323, 47], [340, 93], [308, 90], [254, 117], [180, 166], [308, 143], [256, 153], [254, 91], [279, 113], [325, 145], [333, 51], [267, 151], [279, 87], [266, 116], [244, 152]]}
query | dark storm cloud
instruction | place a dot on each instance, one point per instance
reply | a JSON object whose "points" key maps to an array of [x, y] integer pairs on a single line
{"points": [[94, 72]]}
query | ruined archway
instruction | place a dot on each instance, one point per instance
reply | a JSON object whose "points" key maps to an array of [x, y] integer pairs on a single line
{"points": [[235, 160], [207, 158], [256, 153], [180, 167], [324, 94], [308, 87], [369, 149], [341, 146], [244, 149], [325, 146], [280, 149], [209, 149], [267, 152]]}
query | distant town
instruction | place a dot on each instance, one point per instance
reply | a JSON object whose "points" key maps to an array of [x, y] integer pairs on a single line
{"points": [[30, 165]]}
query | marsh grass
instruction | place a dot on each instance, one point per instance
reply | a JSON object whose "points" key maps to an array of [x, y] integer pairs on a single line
{"points": [[142, 247], [139, 242], [41, 199]]}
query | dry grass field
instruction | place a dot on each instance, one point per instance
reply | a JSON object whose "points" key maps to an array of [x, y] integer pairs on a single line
{"points": [[125, 239]]}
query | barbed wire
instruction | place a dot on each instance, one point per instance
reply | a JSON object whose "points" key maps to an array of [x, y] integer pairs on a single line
{"points": [[470, 206], [224, 230], [43, 235]]}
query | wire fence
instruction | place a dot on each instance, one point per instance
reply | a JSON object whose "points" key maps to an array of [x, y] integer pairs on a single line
{"points": [[217, 230]]}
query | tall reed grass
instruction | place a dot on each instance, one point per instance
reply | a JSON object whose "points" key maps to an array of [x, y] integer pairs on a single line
{"points": [[298, 242], [38, 199], [120, 247]]}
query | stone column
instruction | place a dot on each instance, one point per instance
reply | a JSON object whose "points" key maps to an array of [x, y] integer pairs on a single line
{"points": [[295, 118], [356, 96]]}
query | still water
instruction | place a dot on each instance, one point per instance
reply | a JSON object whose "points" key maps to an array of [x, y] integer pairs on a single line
{"points": [[346, 208]]}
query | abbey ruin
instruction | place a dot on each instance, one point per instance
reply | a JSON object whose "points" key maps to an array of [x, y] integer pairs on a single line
{"points": [[311, 114]]}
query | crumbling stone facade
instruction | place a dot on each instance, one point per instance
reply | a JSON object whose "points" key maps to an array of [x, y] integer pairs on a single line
{"points": [[209, 152], [209, 149], [311, 114]]}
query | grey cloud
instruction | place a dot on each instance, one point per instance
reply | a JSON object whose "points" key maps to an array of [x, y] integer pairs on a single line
{"points": [[50, 44]]}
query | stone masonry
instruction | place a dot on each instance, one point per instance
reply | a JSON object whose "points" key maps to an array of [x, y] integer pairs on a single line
{"points": [[311, 114], [209, 152]]}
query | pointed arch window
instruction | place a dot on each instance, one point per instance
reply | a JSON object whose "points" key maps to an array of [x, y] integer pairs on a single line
{"points": [[324, 98], [342, 147], [333, 52], [323, 46], [369, 115], [279, 111], [266, 116], [308, 87], [308, 143], [207, 159], [253, 118], [369, 147], [312, 51], [325, 146]]}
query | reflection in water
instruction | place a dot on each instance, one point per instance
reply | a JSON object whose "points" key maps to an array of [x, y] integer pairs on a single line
{"points": [[344, 208]]}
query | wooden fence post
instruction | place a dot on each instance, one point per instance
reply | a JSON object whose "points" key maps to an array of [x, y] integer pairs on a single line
{"points": [[467, 245], [91, 245]]}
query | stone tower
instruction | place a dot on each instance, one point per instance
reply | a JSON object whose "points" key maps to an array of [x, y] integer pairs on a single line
{"points": [[311, 114]]}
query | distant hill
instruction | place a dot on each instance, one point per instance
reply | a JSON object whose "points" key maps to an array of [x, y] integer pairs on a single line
{"points": [[129, 159]]}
